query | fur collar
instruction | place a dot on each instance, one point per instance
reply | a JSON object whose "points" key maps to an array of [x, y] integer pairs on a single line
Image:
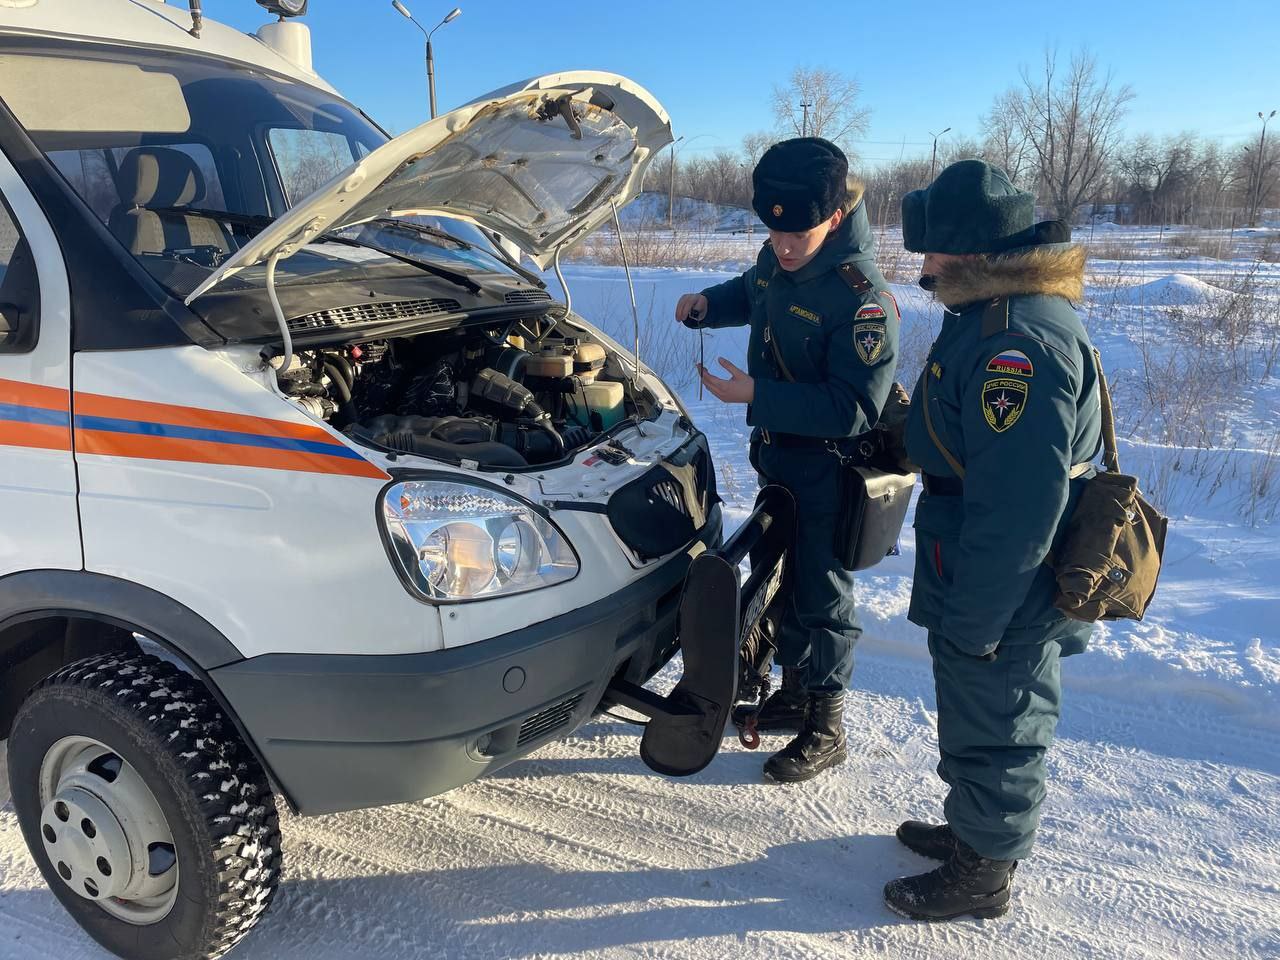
{"points": [[856, 188], [1054, 271]]}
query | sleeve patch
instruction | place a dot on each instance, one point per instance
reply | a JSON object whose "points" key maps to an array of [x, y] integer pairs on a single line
{"points": [[868, 338], [869, 311], [1003, 401], [1011, 363]]}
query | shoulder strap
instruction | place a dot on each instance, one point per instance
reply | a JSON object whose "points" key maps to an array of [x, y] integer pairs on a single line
{"points": [[1110, 455], [947, 455], [857, 281], [995, 318]]}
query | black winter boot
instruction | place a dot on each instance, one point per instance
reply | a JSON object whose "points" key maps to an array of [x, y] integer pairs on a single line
{"points": [[933, 840], [819, 745], [967, 884], [782, 710]]}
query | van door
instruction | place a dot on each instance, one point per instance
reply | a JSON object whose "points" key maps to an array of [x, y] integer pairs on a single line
{"points": [[39, 524]]}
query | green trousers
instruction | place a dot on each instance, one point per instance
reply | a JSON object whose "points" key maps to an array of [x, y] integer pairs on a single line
{"points": [[996, 720]]}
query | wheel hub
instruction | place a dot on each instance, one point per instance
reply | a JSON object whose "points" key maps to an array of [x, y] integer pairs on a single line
{"points": [[86, 844], [105, 833]]}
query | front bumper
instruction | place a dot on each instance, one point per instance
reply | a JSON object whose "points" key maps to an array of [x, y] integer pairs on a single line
{"points": [[343, 732]]}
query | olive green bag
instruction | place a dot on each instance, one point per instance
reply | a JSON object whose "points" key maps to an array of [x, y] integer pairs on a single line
{"points": [[1109, 561]]}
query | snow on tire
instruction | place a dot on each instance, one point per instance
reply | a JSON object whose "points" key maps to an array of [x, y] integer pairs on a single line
{"points": [[131, 785]]}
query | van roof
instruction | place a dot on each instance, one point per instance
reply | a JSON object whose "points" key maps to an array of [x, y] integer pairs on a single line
{"points": [[148, 23]]}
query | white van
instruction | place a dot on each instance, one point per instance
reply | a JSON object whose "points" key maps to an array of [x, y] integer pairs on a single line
{"points": [[307, 489]]}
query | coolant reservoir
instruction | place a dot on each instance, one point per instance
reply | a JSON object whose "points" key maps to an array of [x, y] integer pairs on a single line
{"points": [[588, 361], [602, 398]]}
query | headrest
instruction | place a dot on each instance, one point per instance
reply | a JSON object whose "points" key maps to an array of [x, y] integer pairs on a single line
{"points": [[160, 177]]}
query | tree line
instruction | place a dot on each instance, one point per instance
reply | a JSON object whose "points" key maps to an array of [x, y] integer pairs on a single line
{"points": [[1057, 131]]}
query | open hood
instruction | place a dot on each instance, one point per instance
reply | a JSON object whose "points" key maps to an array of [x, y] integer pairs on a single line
{"points": [[540, 162]]}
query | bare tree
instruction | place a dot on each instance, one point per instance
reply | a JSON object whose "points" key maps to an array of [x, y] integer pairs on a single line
{"points": [[755, 144], [1071, 119], [1005, 143], [819, 102]]}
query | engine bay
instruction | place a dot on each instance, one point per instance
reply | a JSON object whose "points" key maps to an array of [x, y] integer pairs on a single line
{"points": [[526, 394]]}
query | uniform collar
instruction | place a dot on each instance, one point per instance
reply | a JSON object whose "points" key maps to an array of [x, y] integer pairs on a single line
{"points": [[851, 241]]}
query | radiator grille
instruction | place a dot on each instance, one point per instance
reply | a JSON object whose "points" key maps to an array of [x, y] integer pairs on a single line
{"points": [[364, 313], [545, 721], [527, 296]]}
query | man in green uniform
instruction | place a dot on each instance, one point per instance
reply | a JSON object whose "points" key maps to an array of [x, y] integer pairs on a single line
{"points": [[1004, 422], [821, 360]]}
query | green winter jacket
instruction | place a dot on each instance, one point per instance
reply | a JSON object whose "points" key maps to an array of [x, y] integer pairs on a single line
{"points": [[1018, 409], [838, 347]]}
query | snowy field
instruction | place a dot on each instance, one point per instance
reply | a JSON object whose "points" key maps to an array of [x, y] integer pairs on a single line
{"points": [[1160, 838]]}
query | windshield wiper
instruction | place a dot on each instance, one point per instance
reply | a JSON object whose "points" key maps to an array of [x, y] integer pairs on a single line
{"points": [[410, 227], [456, 278], [497, 252]]}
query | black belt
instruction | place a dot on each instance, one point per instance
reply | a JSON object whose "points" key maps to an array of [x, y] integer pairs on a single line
{"points": [[942, 486], [794, 441]]}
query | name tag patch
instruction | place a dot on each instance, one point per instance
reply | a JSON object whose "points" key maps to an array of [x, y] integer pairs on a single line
{"points": [[1011, 363], [804, 314], [868, 338]]}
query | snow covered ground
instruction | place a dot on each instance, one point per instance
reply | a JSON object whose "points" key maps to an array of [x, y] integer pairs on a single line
{"points": [[1161, 836]]}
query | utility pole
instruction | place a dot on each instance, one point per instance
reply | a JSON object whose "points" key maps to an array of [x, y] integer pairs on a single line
{"points": [[671, 200], [1262, 152], [933, 164], [804, 123]]}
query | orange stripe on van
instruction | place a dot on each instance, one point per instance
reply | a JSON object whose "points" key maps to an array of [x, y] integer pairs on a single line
{"points": [[34, 395], [109, 444], [97, 405], [42, 435]]}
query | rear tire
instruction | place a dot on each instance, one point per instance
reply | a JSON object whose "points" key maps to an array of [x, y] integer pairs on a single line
{"points": [[180, 817]]}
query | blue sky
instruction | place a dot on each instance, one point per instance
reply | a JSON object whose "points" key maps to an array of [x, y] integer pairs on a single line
{"points": [[923, 64]]}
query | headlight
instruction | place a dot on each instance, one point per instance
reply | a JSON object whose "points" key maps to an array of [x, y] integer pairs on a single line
{"points": [[461, 542]]}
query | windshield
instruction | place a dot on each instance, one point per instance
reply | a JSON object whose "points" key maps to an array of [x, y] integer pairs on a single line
{"points": [[159, 145]]}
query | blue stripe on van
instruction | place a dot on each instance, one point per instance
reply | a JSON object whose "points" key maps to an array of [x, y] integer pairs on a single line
{"points": [[173, 431], [52, 418]]}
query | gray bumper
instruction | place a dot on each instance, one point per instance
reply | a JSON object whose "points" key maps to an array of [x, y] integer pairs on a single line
{"points": [[345, 732]]}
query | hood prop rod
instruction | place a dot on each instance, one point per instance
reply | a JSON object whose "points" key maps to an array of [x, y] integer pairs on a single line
{"points": [[568, 299], [635, 311]]}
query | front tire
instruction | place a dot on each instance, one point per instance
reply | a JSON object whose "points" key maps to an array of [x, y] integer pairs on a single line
{"points": [[150, 819]]}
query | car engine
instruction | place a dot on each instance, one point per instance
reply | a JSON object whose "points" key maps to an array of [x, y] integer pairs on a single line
{"points": [[464, 395]]}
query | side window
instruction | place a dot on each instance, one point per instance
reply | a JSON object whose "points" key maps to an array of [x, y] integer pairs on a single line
{"points": [[19, 287], [307, 159]]}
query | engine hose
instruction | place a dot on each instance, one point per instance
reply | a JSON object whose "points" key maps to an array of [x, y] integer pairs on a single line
{"points": [[558, 440], [345, 404], [344, 368]]}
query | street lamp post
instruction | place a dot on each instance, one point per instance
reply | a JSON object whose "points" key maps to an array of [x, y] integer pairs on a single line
{"points": [[804, 123], [1257, 186], [431, 60], [933, 164]]}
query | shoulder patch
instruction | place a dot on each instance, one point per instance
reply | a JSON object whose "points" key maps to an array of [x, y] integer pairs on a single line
{"points": [[870, 311], [799, 311], [1011, 363], [868, 339], [1003, 401]]}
